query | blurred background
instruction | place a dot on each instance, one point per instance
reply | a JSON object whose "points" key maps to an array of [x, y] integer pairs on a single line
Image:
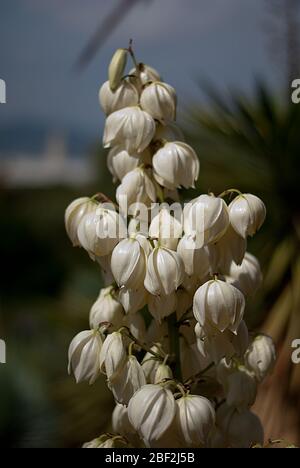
{"points": [[232, 64]]}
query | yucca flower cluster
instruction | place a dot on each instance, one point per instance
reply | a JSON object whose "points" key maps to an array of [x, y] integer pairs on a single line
{"points": [[190, 377]]}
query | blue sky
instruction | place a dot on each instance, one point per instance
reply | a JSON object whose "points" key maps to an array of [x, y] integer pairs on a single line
{"points": [[222, 40]]}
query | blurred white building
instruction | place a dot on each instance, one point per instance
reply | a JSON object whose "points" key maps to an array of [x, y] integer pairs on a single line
{"points": [[55, 166]]}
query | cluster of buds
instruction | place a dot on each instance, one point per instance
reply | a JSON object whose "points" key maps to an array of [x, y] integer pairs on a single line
{"points": [[188, 378]]}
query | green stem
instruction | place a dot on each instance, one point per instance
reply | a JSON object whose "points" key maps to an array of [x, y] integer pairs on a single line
{"points": [[173, 332], [229, 192]]}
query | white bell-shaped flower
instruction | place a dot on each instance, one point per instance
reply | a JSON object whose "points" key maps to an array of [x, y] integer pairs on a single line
{"points": [[230, 248], [84, 352], [163, 372], [168, 132], [162, 306], [247, 213], [196, 419], [130, 379], [99, 232], [131, 127], [120, 162], [196, 260], [133, 300], [166, 228], [208, 217], [128, 264], [126, 95], [136, 325], [176, 165], [145, 73], [192, 361], [247, 277], [107, 441], [113, 355], [240, 429], [220, 305], [241, 388], [74, 214], [151, 363], [151, 412], [159, 100], [136, 187], [261, 356], [214, 344], [107, 309], [165, 272], [120, 421]]}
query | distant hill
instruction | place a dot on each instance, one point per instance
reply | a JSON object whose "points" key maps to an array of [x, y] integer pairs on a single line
{"points": [[32, 138]]}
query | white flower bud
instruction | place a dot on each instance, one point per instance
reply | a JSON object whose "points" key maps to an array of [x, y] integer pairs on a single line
{"points": [[240, 429], [261, 356], [241, 388], [196, 260], [219, 304], [116, 68], [84, 352], [247, 277], [163, 372], [128, 264], [214, 344], [230, 248], [247, 214], [106, 441], [192, 361], [165, 272], [120, 162], [120, 421], [130, 127], [126, 95], [196, 418], [159, 100], [137, 187], [113, 355], [176, 165], [136, 325], [133, 300], [150, 364], [168, 132], [151, 412], [162, 306], [99, 232], [106, 309], [166, 228], [130, 379], [145, 73], [207, 216], [74, 214]]}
